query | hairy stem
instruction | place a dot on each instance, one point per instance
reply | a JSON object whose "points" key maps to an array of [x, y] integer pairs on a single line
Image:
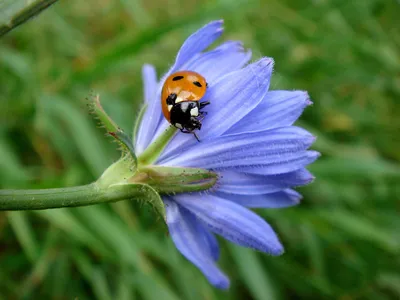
{"points": [[69, 197]]}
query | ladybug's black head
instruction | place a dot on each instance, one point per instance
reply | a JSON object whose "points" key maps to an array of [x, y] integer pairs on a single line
{"points": [[184, 115]]}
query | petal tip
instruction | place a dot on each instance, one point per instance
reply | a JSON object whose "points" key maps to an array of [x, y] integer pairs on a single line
{"points": [[146, 66], [218, 24], [316, 154], [313, 138], [274, 250], [310, 139], [222, 283], [267, 61], [294, 196], [306, 96], [278, 251]]}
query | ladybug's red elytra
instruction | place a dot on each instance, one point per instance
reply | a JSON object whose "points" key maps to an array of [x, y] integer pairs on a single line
{"points": [[180, 100]]}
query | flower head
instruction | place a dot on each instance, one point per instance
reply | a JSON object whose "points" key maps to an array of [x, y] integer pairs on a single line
{"points": [[247, 138]]}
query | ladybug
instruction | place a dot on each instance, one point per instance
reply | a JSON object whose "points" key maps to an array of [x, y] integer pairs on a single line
{"points": [[180, 100]]}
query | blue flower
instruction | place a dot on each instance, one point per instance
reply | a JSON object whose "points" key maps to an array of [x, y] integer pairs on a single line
{"points": [[247, 138]]}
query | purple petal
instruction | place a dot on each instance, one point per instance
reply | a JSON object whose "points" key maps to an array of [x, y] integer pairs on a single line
{"points": [[149, 122], [209, 239], [196, 43], [150, 88], [278, 166], [277, 109], [249, 184], [232, 221], [185, 234], [281, 199], [279, 147], [232, 97], [149, 76], [214, 64]]}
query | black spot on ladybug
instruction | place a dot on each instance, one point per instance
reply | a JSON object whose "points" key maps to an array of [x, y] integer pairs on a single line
{"points": [[176, 78], [196, 83]]}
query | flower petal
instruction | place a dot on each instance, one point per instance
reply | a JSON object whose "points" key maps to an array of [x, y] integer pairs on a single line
{"points": [[150, 121], [232, 97], [281, 199], [277, 109], [209, 239], [279, 165], [279, 147], [197, 42], [185, 234], [149, 76], [214, 64], [249, 184], [232, 221]]}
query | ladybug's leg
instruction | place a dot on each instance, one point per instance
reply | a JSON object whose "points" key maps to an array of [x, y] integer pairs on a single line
{"points": [[192, 132], [195, 135], [204, 104]]}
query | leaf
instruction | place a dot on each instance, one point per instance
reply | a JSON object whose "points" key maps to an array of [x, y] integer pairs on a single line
{"points": [[115, 131], [11, 169], [152, 289], [362, 228], [258, 281], [355, 168], [81, 130], [24, 234], [150, 196], [95, 275], [16, 12]]}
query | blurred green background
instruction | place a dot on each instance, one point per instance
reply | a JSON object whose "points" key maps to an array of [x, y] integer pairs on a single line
{"points": [[342, 242]]}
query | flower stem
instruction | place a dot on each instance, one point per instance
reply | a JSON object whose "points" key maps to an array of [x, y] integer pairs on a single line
{"points": [[152, 152], [68, 197]]}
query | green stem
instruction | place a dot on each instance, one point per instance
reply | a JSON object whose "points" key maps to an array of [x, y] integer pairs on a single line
{"points": [[13, 14], [69, 197], [152, 152]]}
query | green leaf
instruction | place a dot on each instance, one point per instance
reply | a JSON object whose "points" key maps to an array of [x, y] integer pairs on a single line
{"points": [[16, 12], [11, 169], [258, 281], [151, 196], [355, 168], [363, 228], [94, 275], [152, 289], [80, 129], [116, 132], [24, 234]]}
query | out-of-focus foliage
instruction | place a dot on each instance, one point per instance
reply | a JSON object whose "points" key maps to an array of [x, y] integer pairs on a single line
{"points": [[343, 240]]}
